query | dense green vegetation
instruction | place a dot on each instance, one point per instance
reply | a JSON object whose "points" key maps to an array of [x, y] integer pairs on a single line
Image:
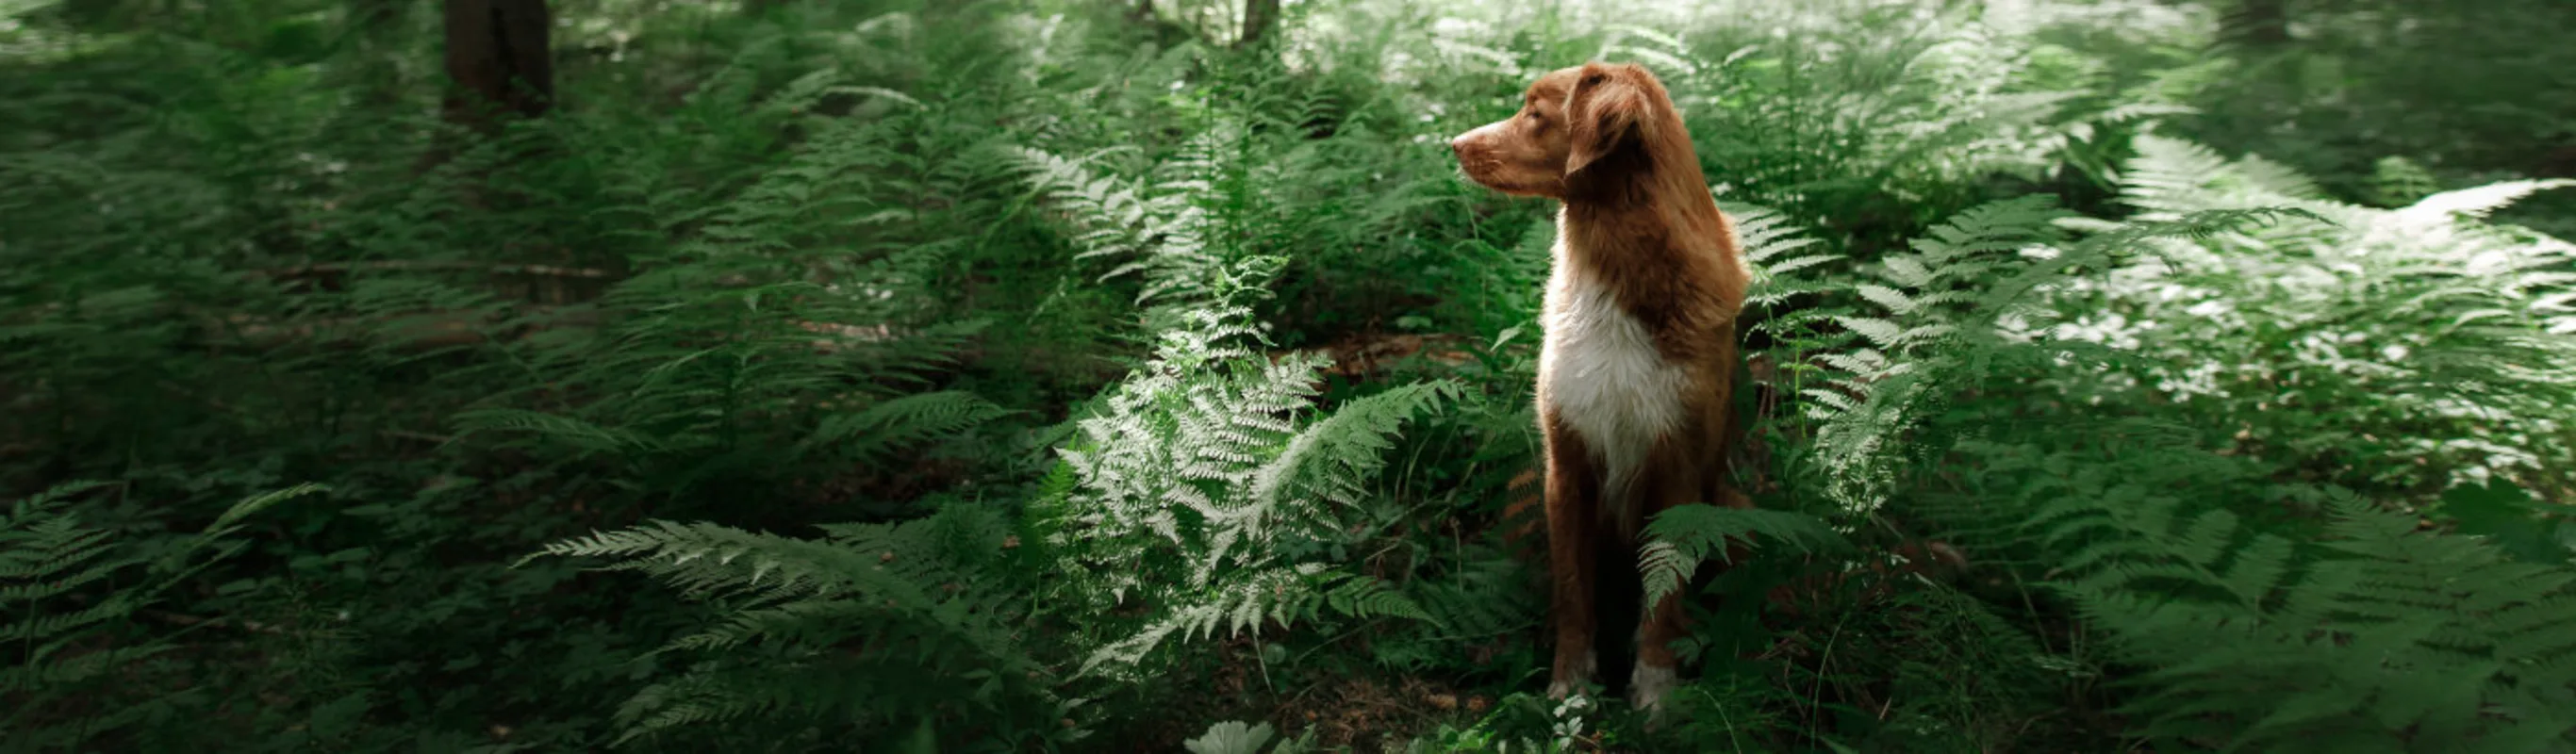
{"points": [[1088, 375]]}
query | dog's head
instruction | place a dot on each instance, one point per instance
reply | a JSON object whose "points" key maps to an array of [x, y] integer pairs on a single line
{"points": [[1573, 122]]}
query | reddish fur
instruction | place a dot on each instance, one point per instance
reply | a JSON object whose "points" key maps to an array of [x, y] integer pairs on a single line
{"points": [[1638, 220]]}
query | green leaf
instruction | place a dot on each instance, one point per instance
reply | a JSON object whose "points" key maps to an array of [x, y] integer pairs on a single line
{"points": [[1230, 737]]}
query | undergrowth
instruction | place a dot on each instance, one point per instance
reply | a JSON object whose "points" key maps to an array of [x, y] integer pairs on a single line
{"points": [[1048, 376]]}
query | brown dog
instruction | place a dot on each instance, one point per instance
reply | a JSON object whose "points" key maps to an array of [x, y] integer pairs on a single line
{"points": [[1637, 368]]}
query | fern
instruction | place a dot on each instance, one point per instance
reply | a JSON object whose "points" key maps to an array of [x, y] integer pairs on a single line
{"points": [[871, 435], [1681, 538], [1894, 375], [1196, 489], [1969, 303], [1179, 493], [1487, 597], [2378, 634], [756, 329], [1163, 236], [2246, 633], [836, 631], [1791, 113], [2407, 319], [63, 586]]}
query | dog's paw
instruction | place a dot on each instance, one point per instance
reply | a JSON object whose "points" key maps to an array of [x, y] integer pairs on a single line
{"points": [[1568, 683], [1647, 688]]}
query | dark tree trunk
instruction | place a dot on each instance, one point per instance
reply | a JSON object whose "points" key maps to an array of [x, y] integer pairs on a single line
{"points": [[501, 57], [2558, 164], [2258, 23], [1259, 18]]}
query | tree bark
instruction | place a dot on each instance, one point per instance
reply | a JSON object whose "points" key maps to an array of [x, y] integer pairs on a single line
{"points": [[2259, 23], [501, 55], [1259, 18]]}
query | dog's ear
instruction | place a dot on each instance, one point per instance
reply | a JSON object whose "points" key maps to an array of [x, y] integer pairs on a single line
{"points": [[1610, 106]]}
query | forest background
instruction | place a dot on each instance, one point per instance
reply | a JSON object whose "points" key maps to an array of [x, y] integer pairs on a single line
{"points": [[1116, 375]]}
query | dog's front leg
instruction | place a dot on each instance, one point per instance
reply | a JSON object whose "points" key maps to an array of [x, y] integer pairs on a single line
{"points": [[1573, 495]]}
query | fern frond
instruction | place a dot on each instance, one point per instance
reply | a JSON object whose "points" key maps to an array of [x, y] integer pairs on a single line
{"points": [[63, 587], [2476, 202], [927, 598], [869, 435], [581, 434], [1365, 597], [1189, 478], [1680, 538], [2380, 632]]}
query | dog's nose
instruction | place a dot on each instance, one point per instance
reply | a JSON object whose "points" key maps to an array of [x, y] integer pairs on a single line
{"points": [[1458, 145]]}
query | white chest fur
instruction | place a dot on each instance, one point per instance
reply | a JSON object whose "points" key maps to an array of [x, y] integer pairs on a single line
{"points": [[1605, 379]]}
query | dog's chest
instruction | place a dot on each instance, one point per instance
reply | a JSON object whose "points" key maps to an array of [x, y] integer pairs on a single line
{"points": [[1602, 374]]}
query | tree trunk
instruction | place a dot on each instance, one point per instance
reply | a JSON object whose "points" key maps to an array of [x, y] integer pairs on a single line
{"points": [[2258, 23], [502, 59], [1259, 17], [2558, 164]]}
